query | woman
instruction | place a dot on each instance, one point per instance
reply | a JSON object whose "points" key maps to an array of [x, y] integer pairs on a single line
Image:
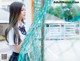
{"points": [[16, 32]]}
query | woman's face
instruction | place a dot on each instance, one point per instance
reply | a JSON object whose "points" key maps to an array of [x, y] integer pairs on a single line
{"points": [[23, 13]]}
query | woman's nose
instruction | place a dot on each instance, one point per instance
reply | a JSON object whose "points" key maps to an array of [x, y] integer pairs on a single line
{"points": [[24, 11]]}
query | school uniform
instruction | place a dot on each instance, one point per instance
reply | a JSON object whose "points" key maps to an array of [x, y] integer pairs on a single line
{"points": [[22, 33]]}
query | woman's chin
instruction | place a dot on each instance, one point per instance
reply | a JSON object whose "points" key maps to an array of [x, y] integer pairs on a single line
{"points": [[24, 18]]}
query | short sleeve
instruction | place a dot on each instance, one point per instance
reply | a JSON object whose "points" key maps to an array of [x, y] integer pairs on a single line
{"points": [[11, 37]]}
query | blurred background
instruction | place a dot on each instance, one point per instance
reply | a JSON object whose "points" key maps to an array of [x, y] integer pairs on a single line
{"points": [[62, 28]]}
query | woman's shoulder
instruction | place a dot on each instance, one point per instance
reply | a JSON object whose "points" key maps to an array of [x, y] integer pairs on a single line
{"points": [[11, 30]]}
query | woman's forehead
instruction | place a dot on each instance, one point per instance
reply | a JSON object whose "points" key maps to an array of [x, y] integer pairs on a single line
{"points": [[23, 7]]}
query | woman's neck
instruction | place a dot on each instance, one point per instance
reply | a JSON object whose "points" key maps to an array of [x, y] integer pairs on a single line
{"points": [[19, 20]]}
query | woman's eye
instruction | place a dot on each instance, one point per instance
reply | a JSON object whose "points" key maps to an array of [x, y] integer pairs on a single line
{"points": [[23, 9]]}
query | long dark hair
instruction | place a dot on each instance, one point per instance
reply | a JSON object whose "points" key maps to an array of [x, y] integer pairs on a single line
{"points": [[15, 9]]}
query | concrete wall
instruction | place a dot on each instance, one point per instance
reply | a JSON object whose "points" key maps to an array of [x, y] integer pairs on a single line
{"points": [[2, 28]]}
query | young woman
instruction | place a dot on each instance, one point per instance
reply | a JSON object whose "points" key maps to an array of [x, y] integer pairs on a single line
{"points": [[16, 32]]}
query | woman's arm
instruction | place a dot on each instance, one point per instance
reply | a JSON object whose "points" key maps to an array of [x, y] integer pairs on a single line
{"points": [[17, 47], [11, 41]]}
